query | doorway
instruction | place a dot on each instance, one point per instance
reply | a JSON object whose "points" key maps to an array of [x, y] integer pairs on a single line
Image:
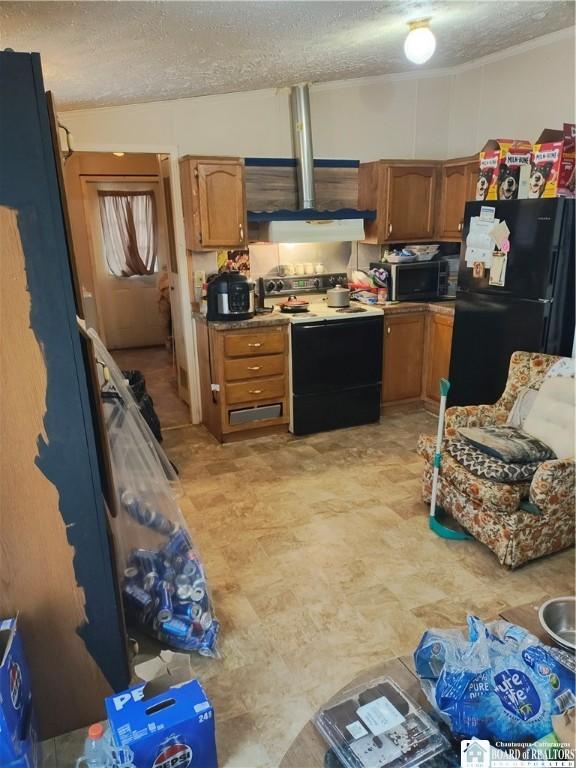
{"points": [[120, 208]]}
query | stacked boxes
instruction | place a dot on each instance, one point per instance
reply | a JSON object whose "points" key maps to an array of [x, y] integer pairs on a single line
{"points": [[504, 169], [552, 172], [18, 742]]}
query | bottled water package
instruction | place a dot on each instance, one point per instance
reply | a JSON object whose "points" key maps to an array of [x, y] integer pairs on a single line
{"points": [[501, 683]]}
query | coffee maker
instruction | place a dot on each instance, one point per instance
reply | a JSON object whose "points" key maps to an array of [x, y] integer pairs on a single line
{"points": [[230, 297]]}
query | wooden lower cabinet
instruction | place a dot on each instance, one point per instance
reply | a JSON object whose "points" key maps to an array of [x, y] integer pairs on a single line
{"points": [[403, 357], [438, 346], [416, 356], [244, 380]]}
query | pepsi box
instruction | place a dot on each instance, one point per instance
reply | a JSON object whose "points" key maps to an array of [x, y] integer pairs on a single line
{"points": [[173, 729], [18, 740]]}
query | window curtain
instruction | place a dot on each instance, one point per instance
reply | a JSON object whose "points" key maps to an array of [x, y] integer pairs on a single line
{"points": [[129, 232]]}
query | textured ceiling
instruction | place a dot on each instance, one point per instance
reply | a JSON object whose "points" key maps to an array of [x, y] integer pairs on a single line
{"points": [[105, 53]]}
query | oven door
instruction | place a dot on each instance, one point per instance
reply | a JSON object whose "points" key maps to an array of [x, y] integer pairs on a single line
{"points": [[419, 281]]}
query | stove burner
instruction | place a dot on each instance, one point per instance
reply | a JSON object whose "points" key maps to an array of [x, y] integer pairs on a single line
{"points": [[351, 310]]}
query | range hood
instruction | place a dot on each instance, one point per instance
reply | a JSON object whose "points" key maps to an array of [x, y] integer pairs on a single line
{"points": [[307, 223]]}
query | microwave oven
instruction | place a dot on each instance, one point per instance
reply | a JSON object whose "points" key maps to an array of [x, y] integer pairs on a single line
{"points": [[416, 280]]}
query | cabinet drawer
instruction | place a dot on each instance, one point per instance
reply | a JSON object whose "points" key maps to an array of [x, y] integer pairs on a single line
{"points": [[247, 391], [253, 367], [248, 344]]}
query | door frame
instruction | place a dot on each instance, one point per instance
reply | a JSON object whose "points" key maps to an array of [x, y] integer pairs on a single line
{"points": [[188, 325]]}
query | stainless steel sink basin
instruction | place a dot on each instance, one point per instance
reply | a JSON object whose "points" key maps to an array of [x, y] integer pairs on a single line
{"points": [[558, 619]]}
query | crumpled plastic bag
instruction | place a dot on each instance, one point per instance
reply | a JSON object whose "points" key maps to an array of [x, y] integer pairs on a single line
{"points": [[500, 684]]}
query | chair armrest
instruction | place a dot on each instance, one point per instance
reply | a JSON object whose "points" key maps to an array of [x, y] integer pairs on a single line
{"points": [[472, 416], [553, 485]]}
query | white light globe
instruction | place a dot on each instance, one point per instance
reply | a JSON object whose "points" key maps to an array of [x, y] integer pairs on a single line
{"points": [[419, 45]]}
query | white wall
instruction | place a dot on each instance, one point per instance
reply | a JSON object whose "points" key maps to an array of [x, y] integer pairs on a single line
{"points": [[435, 115]]}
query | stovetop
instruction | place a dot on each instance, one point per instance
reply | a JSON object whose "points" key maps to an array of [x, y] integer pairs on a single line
{"points": [[321, 311]]}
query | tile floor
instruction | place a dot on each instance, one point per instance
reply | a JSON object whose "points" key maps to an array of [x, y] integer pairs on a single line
{"points": [[156, 365], [321, 565]]}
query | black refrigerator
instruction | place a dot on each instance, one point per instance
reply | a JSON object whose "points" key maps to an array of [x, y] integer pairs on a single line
{"points": [[533, 311]]}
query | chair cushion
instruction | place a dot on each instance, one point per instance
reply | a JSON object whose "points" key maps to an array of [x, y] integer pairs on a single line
{"points": [[521, 407], [499, 497], [551, 418], [481, 464], [507, 444]]}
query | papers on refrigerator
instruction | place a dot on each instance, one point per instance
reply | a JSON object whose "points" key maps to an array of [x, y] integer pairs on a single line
{"points": [[480, 243]]}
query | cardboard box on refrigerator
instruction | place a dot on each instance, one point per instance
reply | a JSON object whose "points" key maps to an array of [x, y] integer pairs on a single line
{"points": [[553, 160], [19, 746], [504, 169]]}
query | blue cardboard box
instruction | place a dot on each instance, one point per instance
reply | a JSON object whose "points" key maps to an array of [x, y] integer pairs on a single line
{"points": [[173, 729], [18, 740]]}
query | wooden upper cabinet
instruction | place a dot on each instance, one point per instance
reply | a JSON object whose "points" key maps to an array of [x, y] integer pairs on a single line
{"points": [[214, 202], [457, 185], [404, 196]]}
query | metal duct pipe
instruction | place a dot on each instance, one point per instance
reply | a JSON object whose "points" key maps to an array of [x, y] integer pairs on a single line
{"points": [[302, 141]]}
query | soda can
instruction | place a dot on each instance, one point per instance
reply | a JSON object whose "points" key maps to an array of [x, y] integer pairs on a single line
{"points": [[192, 569], [146, 515], [163, 602], [167, 571], [178, 544], [206, 620], [176, 628], [183, 588], [198, 590], [131, 573], [137, 596], [208, 641], [185, 610], [147, 562]]}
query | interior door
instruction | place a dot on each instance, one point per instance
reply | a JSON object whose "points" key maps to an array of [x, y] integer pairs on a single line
{"points": [[127, 306], [411, 193]]}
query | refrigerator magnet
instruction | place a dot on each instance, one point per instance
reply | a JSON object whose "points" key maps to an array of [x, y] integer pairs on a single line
{"points": [[478, 268], [498, 269]]}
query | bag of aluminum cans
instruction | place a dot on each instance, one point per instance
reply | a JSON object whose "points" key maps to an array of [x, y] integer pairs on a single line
{"points": [[164, 586]]}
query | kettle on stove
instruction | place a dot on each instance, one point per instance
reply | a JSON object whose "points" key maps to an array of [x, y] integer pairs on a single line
{"points": [[230, 297]]}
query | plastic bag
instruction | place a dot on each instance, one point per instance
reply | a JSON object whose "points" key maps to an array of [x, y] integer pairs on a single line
{"points": [[164, 586], [501, 684]]}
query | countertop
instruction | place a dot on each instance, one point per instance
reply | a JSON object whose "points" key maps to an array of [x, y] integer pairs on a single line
{"points": [[276, 318], [258, 321]]}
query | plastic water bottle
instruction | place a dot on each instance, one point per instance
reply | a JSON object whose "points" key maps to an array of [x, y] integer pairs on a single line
{"points": [[96, 749]]}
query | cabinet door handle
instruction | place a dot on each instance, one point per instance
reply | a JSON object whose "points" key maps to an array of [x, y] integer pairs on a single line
{"points": [[241, 228], [460, 227], [255, 344], [253, 367], [389, 229], [255, 391], [388, 329]]}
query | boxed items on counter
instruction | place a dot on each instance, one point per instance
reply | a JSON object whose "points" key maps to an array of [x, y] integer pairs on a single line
{"points": [[164, 730], [553, 160], [504, 170], [379, 726], [19, 746]]}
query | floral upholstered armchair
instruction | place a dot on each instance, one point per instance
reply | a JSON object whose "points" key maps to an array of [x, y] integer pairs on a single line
{"points": [[498, 514]]}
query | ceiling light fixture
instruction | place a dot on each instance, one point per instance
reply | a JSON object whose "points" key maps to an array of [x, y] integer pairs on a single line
{"points": [[420, 42]]}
